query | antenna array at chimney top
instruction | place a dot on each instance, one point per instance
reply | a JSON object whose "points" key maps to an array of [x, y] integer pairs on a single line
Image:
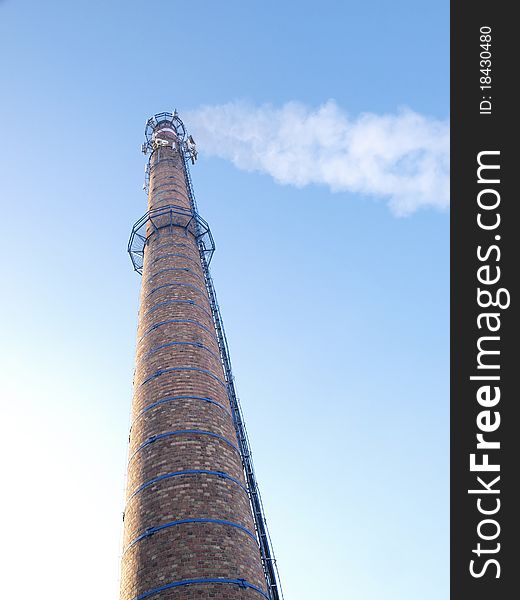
{"points": [[170, 123], [168, 128], [159, 121]]}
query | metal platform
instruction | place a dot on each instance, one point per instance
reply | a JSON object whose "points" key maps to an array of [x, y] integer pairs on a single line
{"points": [[164, 220]]}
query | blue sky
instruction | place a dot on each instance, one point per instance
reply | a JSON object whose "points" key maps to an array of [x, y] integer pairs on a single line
{"points": [[336, 308]]}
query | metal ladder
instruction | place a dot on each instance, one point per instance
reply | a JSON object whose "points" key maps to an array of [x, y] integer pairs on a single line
{"points": [[270, 568]]}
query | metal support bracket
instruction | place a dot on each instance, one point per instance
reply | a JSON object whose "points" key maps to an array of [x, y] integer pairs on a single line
{"points": [[166, 219]]}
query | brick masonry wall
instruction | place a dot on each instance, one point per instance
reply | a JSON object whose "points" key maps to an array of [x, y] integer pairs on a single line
{"points": [[184, 462]]}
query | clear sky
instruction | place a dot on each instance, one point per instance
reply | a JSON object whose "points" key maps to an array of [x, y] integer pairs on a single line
{"points": [[335, 304]]}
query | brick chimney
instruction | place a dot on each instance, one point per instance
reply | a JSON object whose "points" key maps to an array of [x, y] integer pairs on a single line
{"points": [[190, 525]]}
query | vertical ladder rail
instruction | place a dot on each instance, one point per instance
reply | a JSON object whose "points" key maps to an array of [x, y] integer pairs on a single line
{"points": [[268, 560]]}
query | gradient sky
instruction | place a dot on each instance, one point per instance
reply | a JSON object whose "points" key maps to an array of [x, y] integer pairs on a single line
{"points": [[336, 310]]}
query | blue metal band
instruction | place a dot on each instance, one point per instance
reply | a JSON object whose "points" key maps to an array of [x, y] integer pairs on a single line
{"points": [[161, 323], [175, 301], [169, 255], [169, 269], [173, 398], [173, 188], [178, 285], [196, 344], [158, 185], [240, 582], [170, 177], [161, 436], [166, 303], [174, 369], [219, 474], [152, 530], [172, 244]]}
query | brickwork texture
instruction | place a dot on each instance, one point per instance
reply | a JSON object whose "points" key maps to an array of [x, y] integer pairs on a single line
{"points": [[188, 527]]}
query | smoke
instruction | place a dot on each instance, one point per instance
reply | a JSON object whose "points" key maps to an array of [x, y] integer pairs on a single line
{"points": [[401, 157]]}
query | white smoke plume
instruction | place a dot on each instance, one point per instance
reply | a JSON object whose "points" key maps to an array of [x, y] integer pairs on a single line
{"points": [[402, 157]]}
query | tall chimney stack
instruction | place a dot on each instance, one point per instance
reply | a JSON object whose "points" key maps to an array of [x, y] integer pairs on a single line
{"points": [[194, 526]]}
